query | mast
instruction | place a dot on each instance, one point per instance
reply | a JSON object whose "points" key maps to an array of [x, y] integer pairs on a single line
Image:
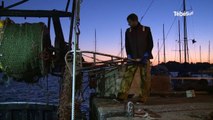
{"points": [[158, 53], [200, 55], [164, 45], [209, 51], [94, 55], [121, 44], [186, 51], [95, 42], [179, 41]]}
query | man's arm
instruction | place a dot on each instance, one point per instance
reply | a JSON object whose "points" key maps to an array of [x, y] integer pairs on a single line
{"points": [[127, 45], [150, 43]]}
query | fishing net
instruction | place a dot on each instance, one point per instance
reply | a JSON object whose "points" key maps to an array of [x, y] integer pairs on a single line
{"points": [[24, 50], [65, 102]]}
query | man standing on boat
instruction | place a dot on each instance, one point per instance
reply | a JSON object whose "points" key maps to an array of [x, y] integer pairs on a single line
{"points": [[139, 44]]}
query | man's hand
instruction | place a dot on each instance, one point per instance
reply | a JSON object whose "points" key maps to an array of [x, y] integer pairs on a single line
{"points": [[145, 58], [129, 56], [129, 59]]}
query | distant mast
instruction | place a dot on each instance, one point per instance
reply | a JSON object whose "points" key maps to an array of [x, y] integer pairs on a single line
{"points": [[122, 45], [186, 49], [95, 42], [94, 55], [209, 59], [164, 46], [179, 41], [158, 52], [200, 55]]}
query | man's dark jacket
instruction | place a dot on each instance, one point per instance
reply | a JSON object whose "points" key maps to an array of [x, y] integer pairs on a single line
{"points": [[138, 41]]}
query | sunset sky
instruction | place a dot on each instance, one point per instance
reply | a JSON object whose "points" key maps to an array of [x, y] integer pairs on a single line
{"points": [[108, 17]]}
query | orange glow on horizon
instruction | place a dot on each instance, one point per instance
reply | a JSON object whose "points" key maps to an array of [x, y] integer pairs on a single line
{"points": [[169, 57]]}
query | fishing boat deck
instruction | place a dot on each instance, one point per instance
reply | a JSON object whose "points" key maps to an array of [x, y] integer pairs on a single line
{"points": [[158, 108]]}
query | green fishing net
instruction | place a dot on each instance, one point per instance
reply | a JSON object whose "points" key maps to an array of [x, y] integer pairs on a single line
{"points": [[21, 46]]}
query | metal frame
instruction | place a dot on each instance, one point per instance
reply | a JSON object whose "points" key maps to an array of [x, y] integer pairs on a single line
{"points": [[33, 13], [55, 15]]}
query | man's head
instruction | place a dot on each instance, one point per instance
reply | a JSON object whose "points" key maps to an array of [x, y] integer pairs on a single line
{"points": [[132, 20]]}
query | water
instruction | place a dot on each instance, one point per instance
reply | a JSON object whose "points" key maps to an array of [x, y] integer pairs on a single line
{"points": [[85, 108], [46, 90]]}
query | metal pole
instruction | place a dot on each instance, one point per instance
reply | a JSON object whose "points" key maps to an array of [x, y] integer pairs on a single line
{"points": [[49, 23], [77, 23], [200, 54], [95, 41], [72, 23], [186, 54], [16, 4], [121, 44], [34, 13], [73, 78], [2, 4], [158, 53], [164, 45], [94, 55], [179, 41], [209, 52], [67, 5]]}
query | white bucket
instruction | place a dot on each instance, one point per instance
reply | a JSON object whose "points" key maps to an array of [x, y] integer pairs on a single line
{"points": [[190, 93]]}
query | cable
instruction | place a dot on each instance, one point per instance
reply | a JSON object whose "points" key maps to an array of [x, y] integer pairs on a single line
{"points": [[141, 19], [147, 9], [168, 33]]}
